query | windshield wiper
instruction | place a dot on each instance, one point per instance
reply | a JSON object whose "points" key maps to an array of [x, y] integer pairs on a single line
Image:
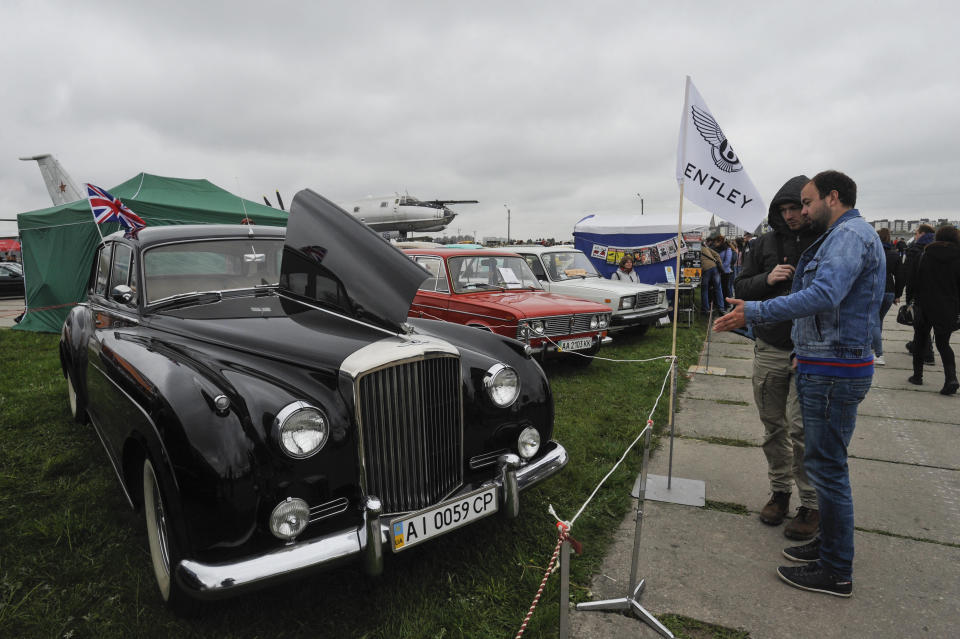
{"points": [[186, 299]]}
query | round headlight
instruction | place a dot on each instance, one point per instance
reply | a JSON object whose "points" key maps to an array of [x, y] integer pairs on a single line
{"points": [[538, 327], [594, 322], [604, 320], [502, 384], [528, 443], [289, 518], [302, 430]]}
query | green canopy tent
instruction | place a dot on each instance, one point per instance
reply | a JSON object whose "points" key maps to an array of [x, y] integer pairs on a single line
{"points": [[58, 243]]}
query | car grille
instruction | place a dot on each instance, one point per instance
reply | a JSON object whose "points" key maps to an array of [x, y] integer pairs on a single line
{"points": [[411, 431], [648, 298], [559, 326]]}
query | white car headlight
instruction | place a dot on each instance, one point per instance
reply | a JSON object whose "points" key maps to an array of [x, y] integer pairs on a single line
{"points": [[594, 322], [528, 443], [289, 518], [301, 429], [627, 302], [604, 320], [502, 384], [537, 327]]}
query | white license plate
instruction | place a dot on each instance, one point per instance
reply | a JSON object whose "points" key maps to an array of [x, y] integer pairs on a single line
{"points": [[576, 344], [411, 529]]}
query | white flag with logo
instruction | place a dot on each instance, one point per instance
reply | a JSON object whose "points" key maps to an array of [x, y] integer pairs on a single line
{"points": [[710, 172]]}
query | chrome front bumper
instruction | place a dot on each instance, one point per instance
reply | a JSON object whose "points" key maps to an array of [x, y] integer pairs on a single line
{"points": [[217, 581], [645, 316]]}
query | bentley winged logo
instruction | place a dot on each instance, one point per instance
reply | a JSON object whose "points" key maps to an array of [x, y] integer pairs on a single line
{"points": [[721, 150]]}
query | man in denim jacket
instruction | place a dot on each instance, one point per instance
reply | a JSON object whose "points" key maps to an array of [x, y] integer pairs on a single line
{"points": [[834, 302]]}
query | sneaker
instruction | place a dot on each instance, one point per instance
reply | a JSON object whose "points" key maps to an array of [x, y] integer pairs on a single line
{"points": [[814, 578], [879, 361], [916, 380], [776, 509], [804, 524], [950, 387], [805, 554]]}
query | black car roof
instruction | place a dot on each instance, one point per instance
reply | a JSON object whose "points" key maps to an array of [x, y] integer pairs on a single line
{"points": [[173, 232]]}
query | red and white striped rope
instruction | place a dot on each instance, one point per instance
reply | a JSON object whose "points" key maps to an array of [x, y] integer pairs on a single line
{"points": [[563, 532]]}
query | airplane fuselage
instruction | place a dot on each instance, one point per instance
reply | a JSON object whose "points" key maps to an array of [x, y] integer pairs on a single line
{"points": [[401, 213]]}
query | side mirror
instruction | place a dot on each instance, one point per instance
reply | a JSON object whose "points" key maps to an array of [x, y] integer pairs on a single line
{"points": [[122, 294]]}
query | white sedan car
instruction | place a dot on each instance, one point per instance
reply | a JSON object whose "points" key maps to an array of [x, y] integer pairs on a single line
{"points": [[563, 269]]}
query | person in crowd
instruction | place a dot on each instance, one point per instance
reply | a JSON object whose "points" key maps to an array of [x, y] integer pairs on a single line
{"points": [[921, 238], [722, 247], [710, 277], [625, 273], [767, 273], [891, 295], [834, 302], [937, 291], [901, 249]]}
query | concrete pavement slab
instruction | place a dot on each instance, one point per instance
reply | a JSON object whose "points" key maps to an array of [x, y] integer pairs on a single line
{"points": [[708, 418], [720, 387], [720, 567], [886, 496], [906, 441]]}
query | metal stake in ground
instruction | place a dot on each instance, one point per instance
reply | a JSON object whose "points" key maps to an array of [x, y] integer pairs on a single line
{"points": [[629, 602]]}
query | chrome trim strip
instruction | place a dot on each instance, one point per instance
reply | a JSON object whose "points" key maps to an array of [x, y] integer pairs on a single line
{"points": [[393, 350], [217, 581]]}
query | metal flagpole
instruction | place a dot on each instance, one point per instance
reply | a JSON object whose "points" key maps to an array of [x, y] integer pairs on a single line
{"points": [[691, 492]]}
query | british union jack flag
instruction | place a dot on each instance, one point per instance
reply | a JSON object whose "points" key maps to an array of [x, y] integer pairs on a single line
{"points": [[107, 208]]}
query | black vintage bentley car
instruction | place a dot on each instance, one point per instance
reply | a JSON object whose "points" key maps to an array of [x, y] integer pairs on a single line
{"points": [[264, 398]]}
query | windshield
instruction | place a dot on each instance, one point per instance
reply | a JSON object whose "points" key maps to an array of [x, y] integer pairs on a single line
{"points": [[212, 265], [470, 273], [568, 265]]}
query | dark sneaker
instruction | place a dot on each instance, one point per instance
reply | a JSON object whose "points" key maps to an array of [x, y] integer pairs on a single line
{"points": [[915, 379], [776, 509], [804, 524], [815, 579], [950, 387], [805, 554]]}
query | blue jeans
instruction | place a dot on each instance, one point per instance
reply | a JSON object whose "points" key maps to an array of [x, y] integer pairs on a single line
{"points": [[885, 304], [829, 406], [711, 278]]}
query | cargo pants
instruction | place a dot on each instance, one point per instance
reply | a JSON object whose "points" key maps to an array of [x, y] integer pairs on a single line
{"points": [[775, 394]]}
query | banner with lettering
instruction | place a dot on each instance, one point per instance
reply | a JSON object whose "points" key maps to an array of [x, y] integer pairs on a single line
{"points": [[710, 171]]}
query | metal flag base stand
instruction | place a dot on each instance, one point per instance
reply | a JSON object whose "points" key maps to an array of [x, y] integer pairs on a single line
{"points": [[673, 490], [629, 602]]}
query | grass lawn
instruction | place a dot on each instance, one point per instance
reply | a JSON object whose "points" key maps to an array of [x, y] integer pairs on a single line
{"points": [[74, 560]]}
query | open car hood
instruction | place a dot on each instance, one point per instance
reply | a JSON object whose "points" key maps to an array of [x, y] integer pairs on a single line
{"points": [[335, 261]]}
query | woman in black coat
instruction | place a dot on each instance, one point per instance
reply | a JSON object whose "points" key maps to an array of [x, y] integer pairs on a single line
{"points": [[938, 302]]}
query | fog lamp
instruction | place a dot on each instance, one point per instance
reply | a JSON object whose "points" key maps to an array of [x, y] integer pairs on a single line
{"points": [[289, 518], [529, 442]]}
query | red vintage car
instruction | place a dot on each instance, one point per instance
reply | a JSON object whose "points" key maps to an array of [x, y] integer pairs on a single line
{"points": [[495, 290]]}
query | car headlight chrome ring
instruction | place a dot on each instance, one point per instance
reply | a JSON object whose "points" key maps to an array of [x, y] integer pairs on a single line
{"points": [[528, 444], [289, 518], [502, 384], [301, 429]]}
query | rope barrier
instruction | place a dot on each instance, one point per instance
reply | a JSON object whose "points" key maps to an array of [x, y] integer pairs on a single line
{"points": [[562, 535], [564, 526]]}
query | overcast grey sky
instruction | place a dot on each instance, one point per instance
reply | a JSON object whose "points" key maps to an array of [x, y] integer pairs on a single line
{"points": [[557, 109]]}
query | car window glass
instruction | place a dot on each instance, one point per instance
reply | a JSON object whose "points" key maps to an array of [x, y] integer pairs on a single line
{"points": [[534, 263], [472, 273], [103, 270], [569, 265], [121, 266], [438, 279], [213, 265]]}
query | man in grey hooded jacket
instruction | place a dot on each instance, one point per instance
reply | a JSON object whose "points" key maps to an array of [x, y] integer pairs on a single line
{"points": [[767, 273]]}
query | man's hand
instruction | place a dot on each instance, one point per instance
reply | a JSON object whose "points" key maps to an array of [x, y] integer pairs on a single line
{"points": [[780, 273], [735, 318]]}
